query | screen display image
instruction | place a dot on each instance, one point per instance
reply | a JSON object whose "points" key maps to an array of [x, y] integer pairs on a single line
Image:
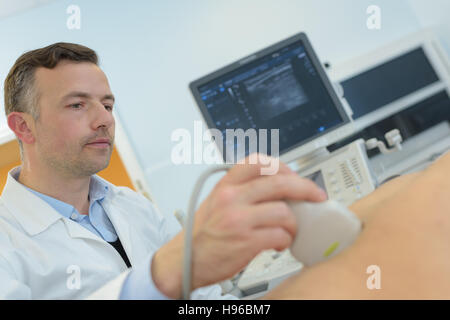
{"points": [[281, 89], [275, 92]]}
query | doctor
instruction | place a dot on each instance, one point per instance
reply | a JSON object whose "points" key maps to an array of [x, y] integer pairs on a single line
{"points": [[65, 233]]}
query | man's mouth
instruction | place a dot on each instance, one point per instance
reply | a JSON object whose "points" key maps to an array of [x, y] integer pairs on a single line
{"points": [[99, 143]]}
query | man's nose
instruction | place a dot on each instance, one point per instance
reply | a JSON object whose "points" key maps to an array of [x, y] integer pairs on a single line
{"points": [[103, 116]]}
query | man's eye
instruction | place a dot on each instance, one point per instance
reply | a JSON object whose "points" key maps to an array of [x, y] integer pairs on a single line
{"points": [[109, 108], [76, 106]]}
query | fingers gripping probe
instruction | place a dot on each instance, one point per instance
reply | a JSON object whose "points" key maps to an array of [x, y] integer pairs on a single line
{"points": [[323, 230]]}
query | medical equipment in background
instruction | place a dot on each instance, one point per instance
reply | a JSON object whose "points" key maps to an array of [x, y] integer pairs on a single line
{"points": [[285, 86], [404, 85], [344, 174], [394, 139], [281, 87]]}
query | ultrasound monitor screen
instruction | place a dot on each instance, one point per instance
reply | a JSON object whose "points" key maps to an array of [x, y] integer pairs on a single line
{"points": [[280, 90]]}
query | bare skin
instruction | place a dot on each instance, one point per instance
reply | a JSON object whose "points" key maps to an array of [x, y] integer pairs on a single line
{"points": [[406, 234]]}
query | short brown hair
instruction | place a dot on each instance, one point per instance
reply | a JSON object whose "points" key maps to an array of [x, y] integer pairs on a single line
{"points": [[20, 93]]}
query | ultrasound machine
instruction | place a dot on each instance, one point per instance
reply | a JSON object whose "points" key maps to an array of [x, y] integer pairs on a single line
{"points": [[285, 87]]}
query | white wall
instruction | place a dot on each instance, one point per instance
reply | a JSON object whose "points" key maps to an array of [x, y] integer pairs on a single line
{"points": [[151, 50], [435, 14]]}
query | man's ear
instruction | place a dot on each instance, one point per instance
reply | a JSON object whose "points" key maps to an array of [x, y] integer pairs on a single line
{"points": [[20, 123]]}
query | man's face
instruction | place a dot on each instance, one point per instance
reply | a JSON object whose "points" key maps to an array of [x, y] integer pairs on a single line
{"points": [[75, 129]]}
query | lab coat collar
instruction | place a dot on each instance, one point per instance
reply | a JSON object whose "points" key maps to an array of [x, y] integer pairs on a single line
{"points": [[118, 217], [36, 215], [33, 214]]}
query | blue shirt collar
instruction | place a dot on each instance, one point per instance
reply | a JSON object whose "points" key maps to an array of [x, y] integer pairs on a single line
{"points": [[98, 190]]}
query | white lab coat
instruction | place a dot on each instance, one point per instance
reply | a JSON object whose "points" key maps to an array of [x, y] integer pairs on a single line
{"points": [[44, 255]]}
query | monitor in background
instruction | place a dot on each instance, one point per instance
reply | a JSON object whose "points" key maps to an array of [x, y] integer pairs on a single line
{"points": [[281, 87], [393, 78], [385, 83]]}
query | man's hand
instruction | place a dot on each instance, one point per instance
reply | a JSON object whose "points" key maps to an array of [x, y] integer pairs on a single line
{"points": [[244, 215]]}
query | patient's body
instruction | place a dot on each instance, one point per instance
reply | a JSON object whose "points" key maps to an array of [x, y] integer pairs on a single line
{"points": [[406, 234]]}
